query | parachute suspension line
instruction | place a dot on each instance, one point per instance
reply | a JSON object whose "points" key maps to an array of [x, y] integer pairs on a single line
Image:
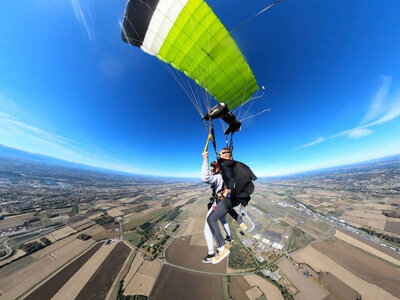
{"points": [[257, 96], [244, 92], [256, 15], [186, 90], [252, 101], [257, 114]]}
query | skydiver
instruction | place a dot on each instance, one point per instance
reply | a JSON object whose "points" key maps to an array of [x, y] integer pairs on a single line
{"points": [[214, 178], [224, 206]]}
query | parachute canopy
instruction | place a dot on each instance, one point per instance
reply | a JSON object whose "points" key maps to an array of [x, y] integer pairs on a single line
{"points": [[189, 36]]}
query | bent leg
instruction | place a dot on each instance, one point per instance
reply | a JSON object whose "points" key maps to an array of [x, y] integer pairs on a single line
{"points": [[226, 226], [235, 216]]}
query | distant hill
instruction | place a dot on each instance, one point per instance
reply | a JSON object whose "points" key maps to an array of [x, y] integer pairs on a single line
{"points": [[15, 154], [383, 163]]}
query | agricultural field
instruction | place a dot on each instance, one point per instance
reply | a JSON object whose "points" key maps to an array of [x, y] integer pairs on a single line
{"points": [[238, 287], [308, 289], [337, 288], [272, 292], [372, 248], [13, 221], [174, 283], [54, 284], [16, 281], [298, 239], [358, 262], [60, 233], [323, 263], [181, 253], [101, 281], [143, 279]]}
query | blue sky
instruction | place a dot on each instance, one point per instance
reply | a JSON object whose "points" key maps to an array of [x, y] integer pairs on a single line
{"points": [[70, 88]]}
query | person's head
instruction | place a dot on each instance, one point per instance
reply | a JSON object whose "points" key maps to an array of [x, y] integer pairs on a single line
{"points": [[214, 168], [225, 153]]}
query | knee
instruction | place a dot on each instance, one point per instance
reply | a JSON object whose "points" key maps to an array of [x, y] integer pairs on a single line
{"points": [[211, 219]]}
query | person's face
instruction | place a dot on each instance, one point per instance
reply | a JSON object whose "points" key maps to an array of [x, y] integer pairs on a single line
{"points": [[225, 154], [212, 170]]}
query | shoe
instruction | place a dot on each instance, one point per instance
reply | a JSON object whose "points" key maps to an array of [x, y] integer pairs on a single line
{"points": [[208, 259], [243, 226], [228, 239], [220, 256]]}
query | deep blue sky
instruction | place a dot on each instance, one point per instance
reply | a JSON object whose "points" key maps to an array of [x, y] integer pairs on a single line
{"points": [[70, 88]]}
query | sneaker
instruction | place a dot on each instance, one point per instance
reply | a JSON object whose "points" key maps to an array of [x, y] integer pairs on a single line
{"points": [[208, 259], [220, 256], [243, 226], [228, 238]]}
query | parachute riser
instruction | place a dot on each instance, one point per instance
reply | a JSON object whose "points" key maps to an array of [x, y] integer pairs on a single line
{"points": [[221, 111], [211, 132]]}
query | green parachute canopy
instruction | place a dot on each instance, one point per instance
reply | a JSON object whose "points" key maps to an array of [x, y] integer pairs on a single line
{"points": [[189, 36]]}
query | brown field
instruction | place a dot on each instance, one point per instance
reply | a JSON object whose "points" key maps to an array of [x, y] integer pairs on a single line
{"points": [[95, 216], [351, 239], [270, 290], [308, 289], [115, 212], [100, 283], [181, 253], [50, 287], [144, 279], [173, 283], [15, 220], [321, 262], [254, 293], [88, 224], [81, 223], [136, 264], [359, 263], [60, 233], [337, 288], [14, 282], [77, 281], [392, 227], [367, 219], [195, 223], [238, 287]]}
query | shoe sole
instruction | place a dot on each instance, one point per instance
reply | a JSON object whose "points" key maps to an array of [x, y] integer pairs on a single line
{"points": [[222, 258], [207, 262]]}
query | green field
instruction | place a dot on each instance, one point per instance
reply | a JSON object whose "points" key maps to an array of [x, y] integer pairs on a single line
{"points": [[298, 239], [134, 238]]}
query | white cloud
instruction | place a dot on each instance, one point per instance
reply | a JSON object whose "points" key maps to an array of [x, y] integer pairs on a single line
{"points": [[317, 141], [81, 18], [382, 109], [358, 133], [377, 106]]}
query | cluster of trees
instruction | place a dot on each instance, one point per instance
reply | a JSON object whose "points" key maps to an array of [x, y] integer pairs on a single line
{"points": [[391, 214], [84, 236], [380, 235], [173, 214], [29, 222], [35, 246], [32, 247], [105, 219], [45, 241]]}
